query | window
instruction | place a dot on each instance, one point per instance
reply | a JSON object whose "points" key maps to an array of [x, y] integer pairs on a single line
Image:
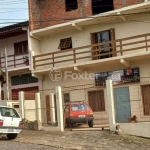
{"points": [[78, 107], [100, 6], [21, 47], [66, 97], [71, 5], [23, 79], [65, 44], [96, 100], [145, 89], [75, 107], [9, 112], [86, 107], [100, 37]]}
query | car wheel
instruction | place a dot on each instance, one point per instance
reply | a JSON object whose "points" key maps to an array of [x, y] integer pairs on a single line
{"points": [[11, 136], [90, 123], [68, 124]]}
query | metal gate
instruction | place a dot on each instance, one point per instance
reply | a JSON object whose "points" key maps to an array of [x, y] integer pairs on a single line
{"points": [[122, 104]]}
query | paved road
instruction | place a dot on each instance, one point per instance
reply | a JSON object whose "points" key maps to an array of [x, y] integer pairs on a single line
{"points": [[12, 145], [84, 140]]}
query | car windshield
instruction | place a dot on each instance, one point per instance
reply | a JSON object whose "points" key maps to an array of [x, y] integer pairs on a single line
{"points": [[78, 107], [9, 112]]}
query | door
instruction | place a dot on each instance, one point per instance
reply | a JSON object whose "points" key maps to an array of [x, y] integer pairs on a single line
{"points": [[122, 104], [48, 111], [55, 105], [104, 37]]}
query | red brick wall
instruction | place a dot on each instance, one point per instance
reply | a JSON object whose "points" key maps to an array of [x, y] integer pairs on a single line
{"points": [[119, 3], [45, 13]]}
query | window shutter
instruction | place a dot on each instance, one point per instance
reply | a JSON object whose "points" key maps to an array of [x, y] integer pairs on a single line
{"points": [[65, 44], [24, 79], [21, 47], [32, 79], [93, 41], [15, 80]]}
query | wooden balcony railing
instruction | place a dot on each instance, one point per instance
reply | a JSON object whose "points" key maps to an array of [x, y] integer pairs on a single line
{"points": [[119, 47], [13, 61]]}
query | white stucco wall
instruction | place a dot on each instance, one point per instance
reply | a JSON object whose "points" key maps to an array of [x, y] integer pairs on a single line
{"points": [[9, 44], [50, 43], [82, 94], [137, 129], [81, 38], [30, 110]]}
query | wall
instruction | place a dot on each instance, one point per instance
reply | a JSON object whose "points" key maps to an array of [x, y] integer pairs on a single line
{"points": [[136, 129], [81, 38], [9, 43], [134, 88], [120, 3], [47, 13], [30, 110], [42, 11]]}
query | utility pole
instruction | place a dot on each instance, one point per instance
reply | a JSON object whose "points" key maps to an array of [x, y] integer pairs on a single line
{"points": [[6, 72]]}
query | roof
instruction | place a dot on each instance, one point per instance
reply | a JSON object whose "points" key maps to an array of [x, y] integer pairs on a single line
{"points": [[13, 30], [14, 26]]}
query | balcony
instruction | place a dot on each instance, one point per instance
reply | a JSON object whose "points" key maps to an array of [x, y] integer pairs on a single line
{"points": [[119, 50], [14, 62]]}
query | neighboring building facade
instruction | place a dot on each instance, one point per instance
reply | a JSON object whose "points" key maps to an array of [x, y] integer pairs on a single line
{"points": [[113, 45], [45, 13], [14, 39]]}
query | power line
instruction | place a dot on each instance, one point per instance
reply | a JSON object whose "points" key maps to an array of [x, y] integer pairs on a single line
{"points": [[13, 2], [12, 11], [49, 7], [92, 17]]}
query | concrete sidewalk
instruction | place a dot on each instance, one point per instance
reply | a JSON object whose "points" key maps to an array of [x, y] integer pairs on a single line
{"points": [[84, 140]]}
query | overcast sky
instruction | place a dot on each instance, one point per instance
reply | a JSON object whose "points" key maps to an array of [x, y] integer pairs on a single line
{"points": [[13, 11]]}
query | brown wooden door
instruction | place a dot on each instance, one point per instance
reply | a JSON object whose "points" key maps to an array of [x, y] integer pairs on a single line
{"points": [[146, 99], [96, 100], [2, 95], [55, 105], [47, 103]]}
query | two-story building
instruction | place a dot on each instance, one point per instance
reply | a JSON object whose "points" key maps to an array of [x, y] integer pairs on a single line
{"points": [[14, 46], [113, 44]]}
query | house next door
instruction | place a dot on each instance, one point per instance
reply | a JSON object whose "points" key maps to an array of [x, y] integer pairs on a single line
{"points": [[122, 104]]}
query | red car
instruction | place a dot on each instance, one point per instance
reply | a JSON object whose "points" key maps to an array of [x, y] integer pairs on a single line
{"points": [[78, 113]]}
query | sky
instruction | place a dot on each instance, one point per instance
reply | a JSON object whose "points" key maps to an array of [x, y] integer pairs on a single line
{"points": [[13, 11]]}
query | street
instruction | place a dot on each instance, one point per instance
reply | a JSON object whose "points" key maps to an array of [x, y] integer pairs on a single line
{"points": [[12, 145], [76, 140]]}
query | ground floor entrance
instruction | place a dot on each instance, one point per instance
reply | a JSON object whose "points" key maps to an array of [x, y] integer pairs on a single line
{"points": [[122, 104]]}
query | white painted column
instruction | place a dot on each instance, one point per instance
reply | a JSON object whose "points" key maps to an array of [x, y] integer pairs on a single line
{"points": [[21, 104], [59, 108], [110, 97], [38, 107], [52, 108]]}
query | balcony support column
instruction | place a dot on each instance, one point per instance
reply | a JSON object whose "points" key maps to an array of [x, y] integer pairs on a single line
{"points": [[125, 62], [78, 69]]}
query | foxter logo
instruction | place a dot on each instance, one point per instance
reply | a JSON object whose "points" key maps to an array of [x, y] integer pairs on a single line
{"points": [[55, 75]]}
